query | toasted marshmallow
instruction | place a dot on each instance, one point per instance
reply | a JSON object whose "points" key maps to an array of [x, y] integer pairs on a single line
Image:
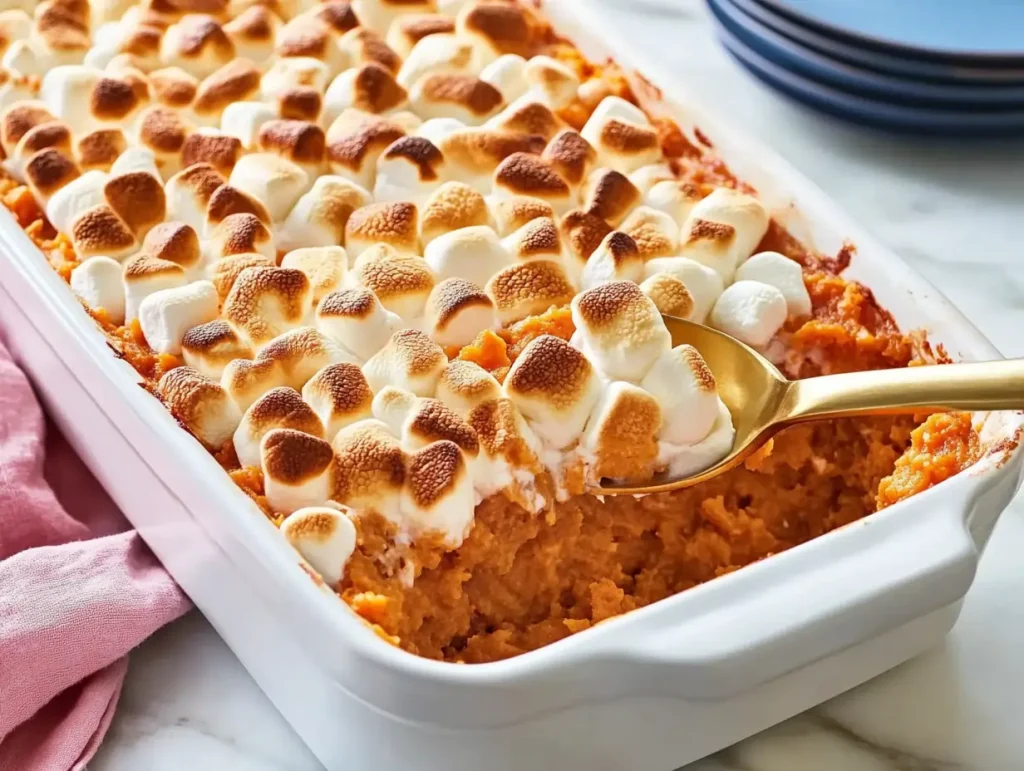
{"points": [[163, 132], [196, 44], [86, 98], [527, 117], [173, 87], [165, 316], [189, 192], [474, 154], [529, 288], [750, 311], [703, 283], [20, 118], [472, 253], [455, 95], [201, 405], [355, 140], [582, 233], [610, 195], [301, 142], [525, 174], [77, 196], [410, 360], [241, 234], [507, 73], [550, 82], [225, 271], [277, 408], [293, 72], [617, 107], [622, 144], [319, 217], [497, 28], [673, 197], [357, 320], [243, 120], [135, 159], [53, 134], [289, 360], [97, 283], [267, 302], [395, 224], [276, 182], [236, 81], [401, 282], [555, 388], [364, 46], [408, 170], [464, 385], [339, 395], [370, 468], [337, 14], [620, 435], [100, 149], [507, 461], [669, 295], [457, 310], [325, 538], [143, 275], [723, 229], [538, 239], [621, 331], [511, 214], [434, 55], [406, 31], [209, 347], [686, 390], [324, 266], [647, 177], [298, 470], [138, 199], [48, 171], [394, 407], [782, 273], [438, 493], [227, 200], [452, 206], [654, 231], [370, 88], [616, 259], [309, 37], [378, 15], [253, 33], [571, 156], [99, 231], [174, 242]]}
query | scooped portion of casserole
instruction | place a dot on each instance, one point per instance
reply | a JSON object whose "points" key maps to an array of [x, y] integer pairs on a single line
{"points": [[401, 265]]}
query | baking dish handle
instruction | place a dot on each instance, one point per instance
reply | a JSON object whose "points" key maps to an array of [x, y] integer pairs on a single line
{"points": [[758, 627]]}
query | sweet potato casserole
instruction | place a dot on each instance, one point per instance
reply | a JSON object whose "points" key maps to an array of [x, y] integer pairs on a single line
{"points": [[401, 265]]}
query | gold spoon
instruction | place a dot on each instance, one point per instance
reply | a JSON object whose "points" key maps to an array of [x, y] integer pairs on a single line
{"points": [[762, 401]]}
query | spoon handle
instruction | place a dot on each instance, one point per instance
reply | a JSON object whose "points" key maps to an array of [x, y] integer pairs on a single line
{"points": [[989, 385]]}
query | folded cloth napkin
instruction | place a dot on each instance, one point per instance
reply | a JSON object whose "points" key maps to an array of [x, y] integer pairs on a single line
{"points": [[78, 591]]}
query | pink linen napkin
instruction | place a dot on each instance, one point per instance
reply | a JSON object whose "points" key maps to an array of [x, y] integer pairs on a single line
{"points": [[78, 591]]}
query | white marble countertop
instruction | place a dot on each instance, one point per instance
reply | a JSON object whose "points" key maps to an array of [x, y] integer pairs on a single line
{"points": [[947, 208]]}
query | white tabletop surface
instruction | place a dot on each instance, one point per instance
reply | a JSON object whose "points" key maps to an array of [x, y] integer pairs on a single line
{"points": [[945, 207]]}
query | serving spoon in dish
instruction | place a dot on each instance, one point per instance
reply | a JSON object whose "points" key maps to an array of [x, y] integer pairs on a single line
{"points": [[762, 401]]}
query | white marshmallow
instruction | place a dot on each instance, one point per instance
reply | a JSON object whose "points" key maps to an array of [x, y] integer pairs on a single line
{"points": [[550, 82], [243, 120], [378, 15], [356, 319], [780, 272], [622, 136], [676, 199], [439, 129], [685, 388], [166, 315], [647, 177], [655, 232], [615, 259], [97, 282], [319, 216], [472, 253], [682, 461], [507, 73], [67, 93], [324, 537], [723, 229], [297, 470], [616, 107], [74, 198], [432, 54], [703, 283], [750, 311], [138, 286], [394, 407], [274, 181]]}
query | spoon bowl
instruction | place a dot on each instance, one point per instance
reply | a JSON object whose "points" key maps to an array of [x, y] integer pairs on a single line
{"points": [[762, 401]]}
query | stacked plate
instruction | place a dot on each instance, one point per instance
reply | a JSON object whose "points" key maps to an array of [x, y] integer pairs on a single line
{"points": [[922, 66]]}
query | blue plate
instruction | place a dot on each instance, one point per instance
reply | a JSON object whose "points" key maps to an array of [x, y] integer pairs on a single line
{"points": [[858, 109], [806, 61], [972, 30], [889, 62]]}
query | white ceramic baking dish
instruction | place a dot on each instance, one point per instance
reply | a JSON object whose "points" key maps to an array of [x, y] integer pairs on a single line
{"points": [[647, 691]]}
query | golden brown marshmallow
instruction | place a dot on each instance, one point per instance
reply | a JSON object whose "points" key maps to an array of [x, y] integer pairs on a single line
{"points": [[266, 302], [529, 288], [410, 360], [339, 395], [457, 310], [370, 468], [610, 195], [510, 214], [402, 282], [175, 242], [528, 118], [198, 44], [298, 470], [201, 405], [394, 223], [242, 233], [464, 385], [452, 206], [225, 271], [455, 95], [209, 347], [99, 149], [237, 81], [99, 231], [525, 174], [278, 408], [138, 199]]}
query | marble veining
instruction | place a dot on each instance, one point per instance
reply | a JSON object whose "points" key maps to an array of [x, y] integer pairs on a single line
{"points": [[947, 208]]}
